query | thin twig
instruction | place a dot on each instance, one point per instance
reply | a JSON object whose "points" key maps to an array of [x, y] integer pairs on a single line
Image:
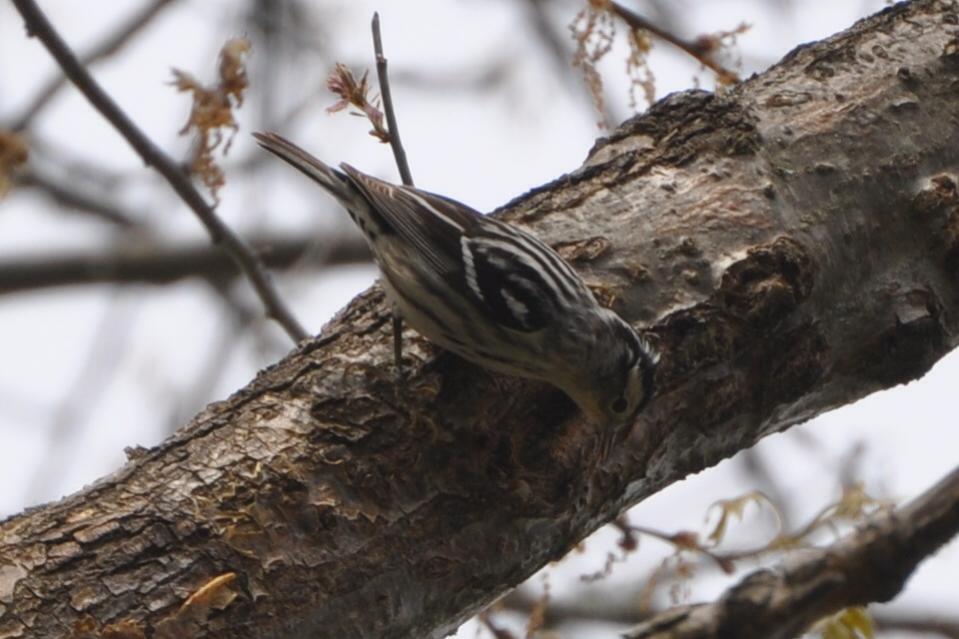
{"points": [[110, 45], [398, 152], [637, 21], [247, 261]]}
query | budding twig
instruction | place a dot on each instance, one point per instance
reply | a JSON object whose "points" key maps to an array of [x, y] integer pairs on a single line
{"points": [[381, 73]]}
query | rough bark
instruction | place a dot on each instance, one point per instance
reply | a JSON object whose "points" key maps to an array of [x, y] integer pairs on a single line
{"points": [[791, 247]]}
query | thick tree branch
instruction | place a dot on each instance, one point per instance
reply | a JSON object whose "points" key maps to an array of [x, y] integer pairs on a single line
{"points": [[221, 235], [158, 264], [791, 246], [867, 566]]}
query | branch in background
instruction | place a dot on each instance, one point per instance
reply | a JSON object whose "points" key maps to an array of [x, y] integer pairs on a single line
{"points": [[69, 196], [606, 607], [702, 48], [154, 264], [399, 153], [615, 607], [110, 45], [221, 235], [932, 623], [594, 31], [867, 566]]}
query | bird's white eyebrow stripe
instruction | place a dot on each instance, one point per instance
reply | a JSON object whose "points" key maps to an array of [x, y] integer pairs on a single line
{"points": [[425, 204]]}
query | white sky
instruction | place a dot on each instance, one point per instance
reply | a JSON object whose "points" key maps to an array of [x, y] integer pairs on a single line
{"points": [[482, 148]]}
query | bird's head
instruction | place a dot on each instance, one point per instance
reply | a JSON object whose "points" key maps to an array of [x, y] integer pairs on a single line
{"points": [[615, 380]]}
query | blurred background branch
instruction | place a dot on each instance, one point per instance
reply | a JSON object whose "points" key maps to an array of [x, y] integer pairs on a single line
{"points": [[149, 263]]}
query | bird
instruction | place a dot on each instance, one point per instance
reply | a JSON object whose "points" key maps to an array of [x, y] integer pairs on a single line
{"points": [[491, 293]]}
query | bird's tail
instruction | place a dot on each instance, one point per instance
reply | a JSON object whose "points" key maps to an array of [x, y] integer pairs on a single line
{"points": [[329, 178]]}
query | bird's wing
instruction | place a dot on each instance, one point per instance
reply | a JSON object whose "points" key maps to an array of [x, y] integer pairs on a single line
{"points": [[509, 290], [481, 256], [432, 224]]}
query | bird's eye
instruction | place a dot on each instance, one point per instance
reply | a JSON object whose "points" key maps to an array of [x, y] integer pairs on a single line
{"points": [[619, 405]]}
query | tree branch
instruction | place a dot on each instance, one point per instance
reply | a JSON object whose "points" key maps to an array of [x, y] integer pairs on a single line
{"points": [[867, 566], [790, 246], [221, 235], [158, 264]]}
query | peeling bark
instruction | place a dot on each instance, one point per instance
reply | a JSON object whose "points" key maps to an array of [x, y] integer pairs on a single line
{"points": [[791, 246]]}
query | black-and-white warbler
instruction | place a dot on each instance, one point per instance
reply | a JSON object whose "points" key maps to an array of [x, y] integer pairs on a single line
{"points": [[489, 292]]}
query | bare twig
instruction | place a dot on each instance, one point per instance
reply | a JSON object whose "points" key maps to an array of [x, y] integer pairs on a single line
{"points": [[869, 565], [110, 45], [381, 72], [158, 264], [245, 259], [697, 48]]}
